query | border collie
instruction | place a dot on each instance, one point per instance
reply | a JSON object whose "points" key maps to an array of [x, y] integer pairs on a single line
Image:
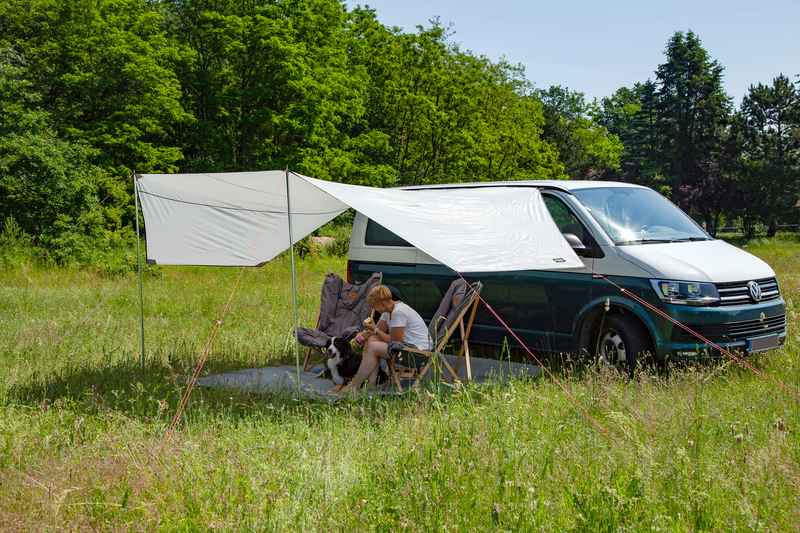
{"points": [[343, 362]]}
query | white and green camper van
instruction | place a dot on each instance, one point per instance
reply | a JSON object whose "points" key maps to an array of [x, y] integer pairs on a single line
{"points": [[630, 235]]}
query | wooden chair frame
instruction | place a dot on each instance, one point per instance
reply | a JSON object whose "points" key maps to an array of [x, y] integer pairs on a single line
{"points": [[463, 354], [311, 349]]}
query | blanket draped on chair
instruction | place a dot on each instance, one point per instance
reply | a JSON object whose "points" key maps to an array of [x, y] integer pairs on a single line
{"points": [[343, 308]]}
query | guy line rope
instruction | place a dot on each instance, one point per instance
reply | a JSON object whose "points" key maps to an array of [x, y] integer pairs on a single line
{"points": [[705, 340], [215, 331], [563, 388]]}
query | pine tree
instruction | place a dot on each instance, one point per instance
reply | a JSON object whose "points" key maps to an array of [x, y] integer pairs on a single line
{"points": [[770, 162], [692, 111]]}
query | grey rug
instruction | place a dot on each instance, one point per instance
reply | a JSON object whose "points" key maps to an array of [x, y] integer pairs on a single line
{"points": [[284, 379]]}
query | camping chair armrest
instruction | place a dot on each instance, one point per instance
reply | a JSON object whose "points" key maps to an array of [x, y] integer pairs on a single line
{"points": [[421, 352]]}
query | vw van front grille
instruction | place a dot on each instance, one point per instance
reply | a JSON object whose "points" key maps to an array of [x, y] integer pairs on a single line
{"points": [[738, 293], [732, 331]]}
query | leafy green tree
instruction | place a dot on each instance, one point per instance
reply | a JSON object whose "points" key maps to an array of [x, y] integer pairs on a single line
{"points": [[445, 114], [642, 157], [577, 131], [616, 112], [268, 83], [691, 115], [630, 115], [505, 125], [46, 183], [104, 70]]}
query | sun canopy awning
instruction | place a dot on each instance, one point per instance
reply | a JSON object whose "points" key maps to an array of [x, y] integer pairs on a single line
{"points": [[236, 219]]}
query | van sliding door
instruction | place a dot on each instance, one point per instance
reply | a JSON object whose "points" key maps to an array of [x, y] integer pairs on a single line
{"points": [[544, 306]]}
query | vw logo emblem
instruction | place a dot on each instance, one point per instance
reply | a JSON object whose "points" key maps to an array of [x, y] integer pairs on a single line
{"points": [[755, 291]]}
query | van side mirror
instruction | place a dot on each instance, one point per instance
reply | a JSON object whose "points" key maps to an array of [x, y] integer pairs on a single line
{"points": [[574, 242], [580, 249]]}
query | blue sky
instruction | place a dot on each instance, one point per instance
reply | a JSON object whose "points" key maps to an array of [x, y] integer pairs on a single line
{"points": [[596, 47]]}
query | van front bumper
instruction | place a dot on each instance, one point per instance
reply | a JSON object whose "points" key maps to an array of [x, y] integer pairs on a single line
{"points": [[736, 329]]}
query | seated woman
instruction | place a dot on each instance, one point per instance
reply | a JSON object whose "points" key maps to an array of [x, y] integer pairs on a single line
{"points": [[398, 323]]}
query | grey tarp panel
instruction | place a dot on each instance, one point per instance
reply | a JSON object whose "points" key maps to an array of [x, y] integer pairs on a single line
{"points": [[283, 380], [343, 308]]}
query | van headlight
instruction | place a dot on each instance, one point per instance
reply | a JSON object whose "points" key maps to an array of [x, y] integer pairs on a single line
{"points": [[685, 292]]}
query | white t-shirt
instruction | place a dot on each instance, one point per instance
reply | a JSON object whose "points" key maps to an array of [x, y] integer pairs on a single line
{"points": [[416, 331]]}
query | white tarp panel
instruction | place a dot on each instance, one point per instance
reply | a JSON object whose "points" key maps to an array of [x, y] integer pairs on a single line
{"points": [[214, 219], [228, 219], [470, 230]]}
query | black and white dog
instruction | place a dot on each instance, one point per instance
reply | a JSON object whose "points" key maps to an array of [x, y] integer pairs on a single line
{"points": [[343, 362]]}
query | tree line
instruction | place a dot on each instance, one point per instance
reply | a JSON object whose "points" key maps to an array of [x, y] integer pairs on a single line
{"points": [[92, 90]]}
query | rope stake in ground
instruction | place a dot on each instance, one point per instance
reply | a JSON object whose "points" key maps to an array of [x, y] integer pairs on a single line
{"points": [[705, 340], [563, 388], [217, 325]]}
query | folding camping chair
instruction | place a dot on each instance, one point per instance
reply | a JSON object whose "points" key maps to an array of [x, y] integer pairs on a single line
{"points": [[343, 308], [449, 317]]}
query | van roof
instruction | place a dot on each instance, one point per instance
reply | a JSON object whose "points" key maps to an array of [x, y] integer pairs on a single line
{"points": [[563, 185]]}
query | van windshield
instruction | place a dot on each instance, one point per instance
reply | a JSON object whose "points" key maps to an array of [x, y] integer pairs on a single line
{"points": [[639, 216]]}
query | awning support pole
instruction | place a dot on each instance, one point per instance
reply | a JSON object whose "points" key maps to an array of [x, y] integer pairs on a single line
{"points": [[294, 283], [139, 257]]}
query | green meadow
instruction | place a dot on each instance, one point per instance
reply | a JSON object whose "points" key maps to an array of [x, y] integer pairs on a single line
{"points": [[705, 447]]}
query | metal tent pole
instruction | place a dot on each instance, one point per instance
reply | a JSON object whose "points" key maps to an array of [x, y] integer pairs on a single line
{"points": [[294, 283], [139, 257]]}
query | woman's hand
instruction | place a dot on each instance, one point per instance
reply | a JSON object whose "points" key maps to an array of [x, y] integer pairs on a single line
{"points": [[366, 334]]}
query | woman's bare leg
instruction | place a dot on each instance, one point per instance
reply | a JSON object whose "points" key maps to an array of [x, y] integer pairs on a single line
{"points": [[374, 350]]}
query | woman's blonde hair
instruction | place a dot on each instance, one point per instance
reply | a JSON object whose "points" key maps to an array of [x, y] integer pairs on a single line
{"points": [[379, 294]]}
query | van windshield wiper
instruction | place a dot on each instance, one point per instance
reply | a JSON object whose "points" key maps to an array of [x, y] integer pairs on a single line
{"points": [[662, 241], [644, 241], [691, 239]]}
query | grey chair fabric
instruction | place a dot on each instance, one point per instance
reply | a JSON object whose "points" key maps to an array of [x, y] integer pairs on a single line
{"points": [[444, 323], [457, 297], [343, 308]]}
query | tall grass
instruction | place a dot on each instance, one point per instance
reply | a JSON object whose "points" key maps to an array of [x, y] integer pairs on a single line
{"points": [[697, 448]]}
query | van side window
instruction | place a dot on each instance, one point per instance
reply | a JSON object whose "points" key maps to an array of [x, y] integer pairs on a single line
{"points": [[377, 235], [565, 220]]}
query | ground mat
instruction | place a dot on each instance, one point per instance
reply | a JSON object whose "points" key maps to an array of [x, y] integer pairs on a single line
{"points": [[284, 378]]}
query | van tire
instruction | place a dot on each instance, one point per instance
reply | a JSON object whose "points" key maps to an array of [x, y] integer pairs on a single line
{"points": [[622, 342]]}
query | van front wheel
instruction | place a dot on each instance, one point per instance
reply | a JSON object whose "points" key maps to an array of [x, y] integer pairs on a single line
{"points": [[622, 342]]}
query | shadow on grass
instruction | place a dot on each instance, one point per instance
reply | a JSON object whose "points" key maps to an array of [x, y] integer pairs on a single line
{"points": [[120, 388]]}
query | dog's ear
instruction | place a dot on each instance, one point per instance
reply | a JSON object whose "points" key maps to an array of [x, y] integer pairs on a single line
{"points": [[341, 343], [329, 342]]}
